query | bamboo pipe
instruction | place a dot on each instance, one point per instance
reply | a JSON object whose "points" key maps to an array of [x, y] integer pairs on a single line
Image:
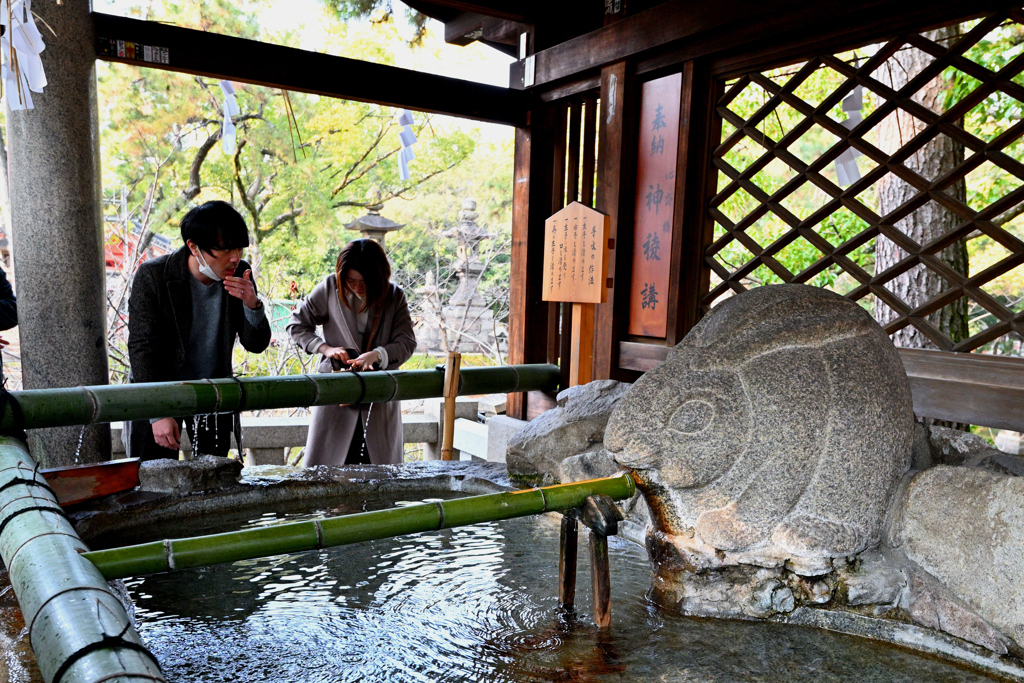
{"points": [[78, 629], [200, 551], [451, 392], [112, 403]]}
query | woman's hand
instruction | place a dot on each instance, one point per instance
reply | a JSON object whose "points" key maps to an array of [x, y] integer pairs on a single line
{"points": [[365, 361], [167, 433], [335, 352]]}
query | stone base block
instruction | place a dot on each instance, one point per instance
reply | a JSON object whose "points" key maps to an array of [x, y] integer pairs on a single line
{"points": [[205, 473]]}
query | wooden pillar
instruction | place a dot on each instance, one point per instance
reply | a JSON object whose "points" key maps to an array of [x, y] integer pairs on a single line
{"points": [[558, 320], [567, 555], [589, 151], [616, 180], [532, 192], [700, 133]]}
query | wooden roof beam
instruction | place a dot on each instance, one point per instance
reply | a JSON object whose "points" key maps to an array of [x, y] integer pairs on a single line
{"points": [[468, 27], [225, 57], [518, 11], [464, 29]]}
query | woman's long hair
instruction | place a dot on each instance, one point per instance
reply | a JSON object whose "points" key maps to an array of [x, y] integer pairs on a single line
{"points": [[367, 258]]}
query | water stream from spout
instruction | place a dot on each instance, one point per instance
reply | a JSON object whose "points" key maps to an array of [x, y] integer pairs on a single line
{"points": [[366, 424], [78, 449]]}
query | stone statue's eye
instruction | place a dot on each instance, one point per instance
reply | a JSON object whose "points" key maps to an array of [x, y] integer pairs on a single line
{"points": [[692, 417]]}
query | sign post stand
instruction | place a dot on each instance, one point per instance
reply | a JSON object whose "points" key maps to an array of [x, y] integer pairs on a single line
{"points": [[575, 271], [581, 356]]}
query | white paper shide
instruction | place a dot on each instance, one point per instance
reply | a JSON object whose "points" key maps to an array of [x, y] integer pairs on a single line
{"points": [[228, 137], [408, 139], [21, 45], [847, 172]]}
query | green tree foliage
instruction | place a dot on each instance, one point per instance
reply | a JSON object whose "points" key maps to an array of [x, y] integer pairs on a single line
{"points": [[379, 11], [297, 179]]}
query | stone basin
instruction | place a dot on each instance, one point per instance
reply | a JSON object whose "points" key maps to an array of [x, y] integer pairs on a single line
{"points": [[498, 620]]}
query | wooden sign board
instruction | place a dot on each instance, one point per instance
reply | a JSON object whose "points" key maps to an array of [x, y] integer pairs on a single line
{"points": [[655, 187], [576, 255]]}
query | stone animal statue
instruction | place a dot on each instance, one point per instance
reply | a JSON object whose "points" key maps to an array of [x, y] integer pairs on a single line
{"points": [[774, 434]]}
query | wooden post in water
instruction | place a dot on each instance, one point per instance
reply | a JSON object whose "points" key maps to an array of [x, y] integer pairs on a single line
{"points": [[599, 513], [600, 580], [450, 393], [567, 561]]}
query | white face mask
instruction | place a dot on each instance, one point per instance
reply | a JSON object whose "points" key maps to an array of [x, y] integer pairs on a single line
{"points": [[205, 269]]}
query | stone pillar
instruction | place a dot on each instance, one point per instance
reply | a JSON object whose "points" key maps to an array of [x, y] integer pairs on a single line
{"points": [[57, 229]]}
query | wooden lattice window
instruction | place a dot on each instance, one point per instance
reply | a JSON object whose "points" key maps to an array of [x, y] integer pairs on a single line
{"points": [[891, 174]]}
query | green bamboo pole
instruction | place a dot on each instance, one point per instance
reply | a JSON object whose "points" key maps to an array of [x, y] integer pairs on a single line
{"points": [[200, 551], [113, 403], [72, 617]]}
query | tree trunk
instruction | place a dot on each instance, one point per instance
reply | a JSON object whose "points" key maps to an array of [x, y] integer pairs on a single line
{"points": [[920, 284]]}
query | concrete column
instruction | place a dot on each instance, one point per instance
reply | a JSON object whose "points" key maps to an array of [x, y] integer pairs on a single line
{"points": [[57, 230]]}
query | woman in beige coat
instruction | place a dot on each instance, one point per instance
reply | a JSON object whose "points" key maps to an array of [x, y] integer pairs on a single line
{"points": [[366, 325]]}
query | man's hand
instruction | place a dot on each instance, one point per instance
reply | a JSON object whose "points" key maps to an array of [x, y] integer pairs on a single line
{"points": [[365, 361], [4, 343], [335, 352], [242, 288], [167, 433]]}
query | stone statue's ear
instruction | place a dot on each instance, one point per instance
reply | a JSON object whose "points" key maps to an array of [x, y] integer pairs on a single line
{"points": [[770, 318]]}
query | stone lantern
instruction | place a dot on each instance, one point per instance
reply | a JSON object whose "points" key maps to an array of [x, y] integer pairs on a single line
{"points": [[468, 236], [374, 226], [468, 321]]}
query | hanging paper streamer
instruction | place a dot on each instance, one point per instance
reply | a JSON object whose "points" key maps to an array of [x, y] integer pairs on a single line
{"points": [[21, 45], [230, 109], [408, 139], [847, 172]]}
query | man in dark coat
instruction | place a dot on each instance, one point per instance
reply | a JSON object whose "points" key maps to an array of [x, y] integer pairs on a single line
{"points": [[8, 309], [185, 311]]}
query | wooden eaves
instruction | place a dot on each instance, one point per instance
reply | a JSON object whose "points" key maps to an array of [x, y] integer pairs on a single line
{"points": [[275, 66]]}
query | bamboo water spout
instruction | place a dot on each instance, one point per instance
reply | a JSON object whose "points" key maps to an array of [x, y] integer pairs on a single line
{"points": [[162, 556], [37, 408], [78, 629]]}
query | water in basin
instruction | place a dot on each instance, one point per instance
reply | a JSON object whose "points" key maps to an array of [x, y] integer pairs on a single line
{"points": [[471, 604]]}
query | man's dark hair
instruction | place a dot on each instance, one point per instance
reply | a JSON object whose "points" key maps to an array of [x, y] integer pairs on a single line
{"points": [[215, 225], [367, 258]]}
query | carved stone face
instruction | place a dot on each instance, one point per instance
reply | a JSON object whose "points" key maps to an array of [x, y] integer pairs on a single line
{"points": [[779, 426]]}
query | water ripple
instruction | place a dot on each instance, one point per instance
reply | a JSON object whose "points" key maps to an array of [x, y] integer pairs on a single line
{"points": [[476, 603]]}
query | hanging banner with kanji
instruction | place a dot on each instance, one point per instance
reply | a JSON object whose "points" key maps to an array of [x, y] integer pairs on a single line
{"points": [[576, 255], [655, 196]]}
